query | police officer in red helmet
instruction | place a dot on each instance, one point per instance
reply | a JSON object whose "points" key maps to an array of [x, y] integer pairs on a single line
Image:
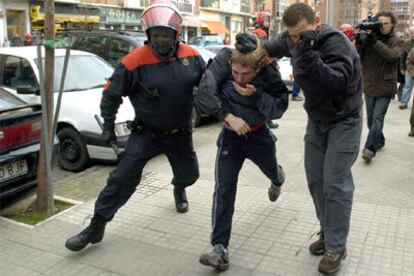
{"points": [[347, 30], [262, 31], [158, 78], [262, 25]]}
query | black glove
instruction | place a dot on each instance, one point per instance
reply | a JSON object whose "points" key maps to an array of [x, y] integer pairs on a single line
{"points": [[245, 43], [306, 42], [108, 133]]}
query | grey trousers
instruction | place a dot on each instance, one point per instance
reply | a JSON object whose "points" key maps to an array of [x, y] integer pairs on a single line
{"points": [[330, 151]]}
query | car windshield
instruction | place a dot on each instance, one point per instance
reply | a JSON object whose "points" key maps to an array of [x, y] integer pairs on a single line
{"points": [[9, 101], [83, 73]]}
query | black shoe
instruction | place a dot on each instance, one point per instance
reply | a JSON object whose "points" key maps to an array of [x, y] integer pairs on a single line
{"points": [[318, 248], [218, 258], [367, 155], [273, 192], [180, 197], [271, 124], [411, 133], [403, 106], [331, 262], [92, 234]]}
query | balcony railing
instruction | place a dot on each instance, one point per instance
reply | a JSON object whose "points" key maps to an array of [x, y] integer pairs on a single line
{"points": [[183, 7], [215, 4]]}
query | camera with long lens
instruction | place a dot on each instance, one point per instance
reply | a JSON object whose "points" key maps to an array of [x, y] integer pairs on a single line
{"points": [[367, 28]]}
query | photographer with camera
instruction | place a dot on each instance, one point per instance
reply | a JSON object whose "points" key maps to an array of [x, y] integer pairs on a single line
{"points": [[380, 50]]}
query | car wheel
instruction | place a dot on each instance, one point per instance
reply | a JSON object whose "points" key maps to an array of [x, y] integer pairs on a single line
{"points": [[195, 117], [73, 155]]}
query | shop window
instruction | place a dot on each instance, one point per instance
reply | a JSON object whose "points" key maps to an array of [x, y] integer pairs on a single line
{"points": [[18, 72], [117, 49]]}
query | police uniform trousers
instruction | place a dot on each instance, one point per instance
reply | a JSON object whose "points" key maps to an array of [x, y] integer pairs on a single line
{"points": [[330, 151], [260, 148], [141, 147]]}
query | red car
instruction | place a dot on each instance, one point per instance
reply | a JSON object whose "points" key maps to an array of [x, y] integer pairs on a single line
{"points": [[20, 132]]}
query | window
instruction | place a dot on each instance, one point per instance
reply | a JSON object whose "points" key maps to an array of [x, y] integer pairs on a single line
{"points": [[95, 44], [79, 43], [18, 72], [117, 49], [76, 80]]}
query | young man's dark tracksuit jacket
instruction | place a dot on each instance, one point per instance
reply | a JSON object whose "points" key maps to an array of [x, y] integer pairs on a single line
{"points": [[161, 92], [217, 96]]}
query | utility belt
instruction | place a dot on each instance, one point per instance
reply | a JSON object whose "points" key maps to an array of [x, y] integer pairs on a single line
{"points": [[136, 127]]}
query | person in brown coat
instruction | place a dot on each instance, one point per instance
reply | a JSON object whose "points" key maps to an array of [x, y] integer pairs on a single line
{"points": [[406, 93], [410, 73], [380, 54]]}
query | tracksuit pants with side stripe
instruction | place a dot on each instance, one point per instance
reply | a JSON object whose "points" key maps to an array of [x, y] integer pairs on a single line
{"points": [[260, 148]]}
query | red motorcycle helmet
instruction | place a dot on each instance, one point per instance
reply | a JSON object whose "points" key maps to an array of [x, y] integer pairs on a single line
{"points": [[263, 19], [347, 30], [161, 13]]}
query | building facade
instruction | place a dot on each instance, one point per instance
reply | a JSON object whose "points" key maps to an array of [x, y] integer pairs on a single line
{"points": [[14, 19], [218, 17]]}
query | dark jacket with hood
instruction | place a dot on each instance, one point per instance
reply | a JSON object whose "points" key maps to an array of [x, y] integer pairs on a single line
{"points": [[216, 95], [329, 73], [380, 65]]}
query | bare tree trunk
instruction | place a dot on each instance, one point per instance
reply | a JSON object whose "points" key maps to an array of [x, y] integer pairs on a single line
{"points": [[45, 201]]}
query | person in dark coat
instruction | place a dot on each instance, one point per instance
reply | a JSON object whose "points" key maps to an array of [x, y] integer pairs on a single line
{"points": [[380, 54], [158, 78], [327, 67]]}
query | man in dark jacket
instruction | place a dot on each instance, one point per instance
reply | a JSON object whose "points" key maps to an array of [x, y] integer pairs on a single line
{"points": [[327, 68], [380, 54], [158, 78], [244, 102]]}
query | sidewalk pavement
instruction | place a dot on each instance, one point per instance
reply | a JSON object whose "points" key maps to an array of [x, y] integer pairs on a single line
{"points": [[147, 236]]}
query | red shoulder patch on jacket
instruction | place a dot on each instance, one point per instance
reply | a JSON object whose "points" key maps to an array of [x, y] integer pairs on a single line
{"points": [[139, 56], [260, 33], [187, 51]]}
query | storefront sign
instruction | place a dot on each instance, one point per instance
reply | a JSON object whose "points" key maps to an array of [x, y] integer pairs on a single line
{"points": [[120, 16]]}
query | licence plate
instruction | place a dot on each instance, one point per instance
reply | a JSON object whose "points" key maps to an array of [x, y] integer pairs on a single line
{"points": [[13, 170]]}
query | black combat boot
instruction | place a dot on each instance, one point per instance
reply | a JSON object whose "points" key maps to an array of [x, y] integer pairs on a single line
{"points": [[92, 234], [181, 202], [272, 124]]}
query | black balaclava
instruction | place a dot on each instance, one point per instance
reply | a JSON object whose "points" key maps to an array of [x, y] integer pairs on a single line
{"points": [[163, 41]]}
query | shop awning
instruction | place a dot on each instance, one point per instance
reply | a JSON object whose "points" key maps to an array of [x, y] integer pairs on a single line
{"points": [[193, 22], [215, 27]]}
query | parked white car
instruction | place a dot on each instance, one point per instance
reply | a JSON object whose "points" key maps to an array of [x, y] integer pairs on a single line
{"points": [[77, 129], [285, 69]]}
